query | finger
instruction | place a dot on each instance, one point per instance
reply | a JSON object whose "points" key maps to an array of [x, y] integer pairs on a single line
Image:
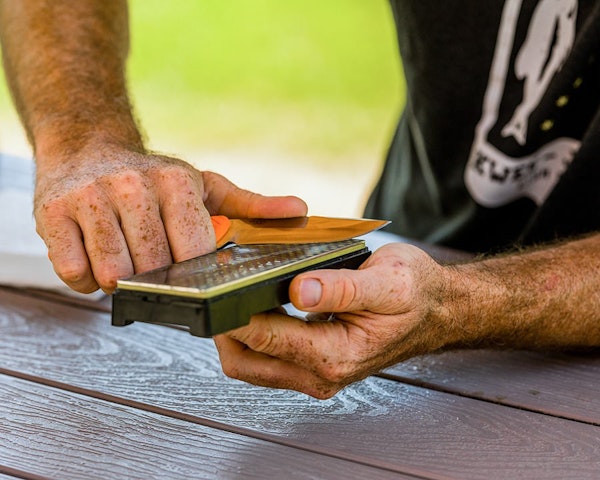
{"points": [[67, 253], [242, 363], [225, 198], [187, 222], [104, 242], [343, 290], [275, 334], [322, 348], [142, 224]]}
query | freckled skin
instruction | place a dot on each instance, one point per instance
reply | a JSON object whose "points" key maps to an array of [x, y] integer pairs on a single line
{"points": [[65, 65], [402, 303], [105, 245], [141, 212]]}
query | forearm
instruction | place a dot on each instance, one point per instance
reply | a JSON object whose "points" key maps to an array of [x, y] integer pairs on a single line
{"points": [[65, 64], [546, 298]]}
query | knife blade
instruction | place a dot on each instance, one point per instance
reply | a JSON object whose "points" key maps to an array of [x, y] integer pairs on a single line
{"points": [[313, 229]]}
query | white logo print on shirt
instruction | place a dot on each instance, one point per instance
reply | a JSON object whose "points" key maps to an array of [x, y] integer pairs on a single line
{"points": [[492, 177]]}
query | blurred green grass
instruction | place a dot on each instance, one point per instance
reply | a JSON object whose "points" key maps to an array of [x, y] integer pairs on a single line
{"points": [[310, 78], [300, 76]]}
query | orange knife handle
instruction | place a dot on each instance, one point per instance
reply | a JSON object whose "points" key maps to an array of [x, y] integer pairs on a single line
{"points": [[221, 226]]}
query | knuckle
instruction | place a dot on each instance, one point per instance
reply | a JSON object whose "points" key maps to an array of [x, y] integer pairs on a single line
{"points": [[335, 373], [107, 283], [348, 295], [128, 183], [230, 369], [86, 193], [261, 340], [324, 393], [250, 200], [77, 276], [178, 177], [180, 189], [107, 276], [49, 211], [71, 273]]}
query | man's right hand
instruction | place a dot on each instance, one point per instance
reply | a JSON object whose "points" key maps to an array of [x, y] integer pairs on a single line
{"points": [[107, 213]]}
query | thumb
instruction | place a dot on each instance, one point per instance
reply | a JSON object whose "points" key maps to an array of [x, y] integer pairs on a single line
{"points": [[225, 198], [261, 206], [338, 291]]}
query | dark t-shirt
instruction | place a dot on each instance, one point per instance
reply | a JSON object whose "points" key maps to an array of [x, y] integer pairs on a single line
{"points": [[499, 143]]}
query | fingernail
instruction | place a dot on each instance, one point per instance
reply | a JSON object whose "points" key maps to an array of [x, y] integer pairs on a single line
{"points": [[310, 292]]}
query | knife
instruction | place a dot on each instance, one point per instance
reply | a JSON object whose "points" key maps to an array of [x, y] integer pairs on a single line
{"points": [[255, 231]]}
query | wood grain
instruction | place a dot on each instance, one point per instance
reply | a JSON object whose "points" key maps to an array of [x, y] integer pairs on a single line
{"points": [[560, 384], [376, 422], [4, 476], [62, 435], [95, 302]]}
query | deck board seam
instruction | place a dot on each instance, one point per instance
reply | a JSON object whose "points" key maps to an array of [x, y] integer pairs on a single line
{"points": [[16, 473], [438, 388], [56, 297], [218, 425]]}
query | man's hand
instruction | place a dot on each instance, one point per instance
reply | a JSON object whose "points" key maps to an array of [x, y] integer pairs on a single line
{"points": [[401, 303], [107, 213], [388, 310]]}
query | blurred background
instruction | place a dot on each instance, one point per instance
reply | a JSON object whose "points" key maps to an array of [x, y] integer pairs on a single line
{"points": [[297, 97]]}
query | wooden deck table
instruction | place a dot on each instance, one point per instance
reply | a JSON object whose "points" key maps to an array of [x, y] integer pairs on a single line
{"points": [[80, 399]]}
